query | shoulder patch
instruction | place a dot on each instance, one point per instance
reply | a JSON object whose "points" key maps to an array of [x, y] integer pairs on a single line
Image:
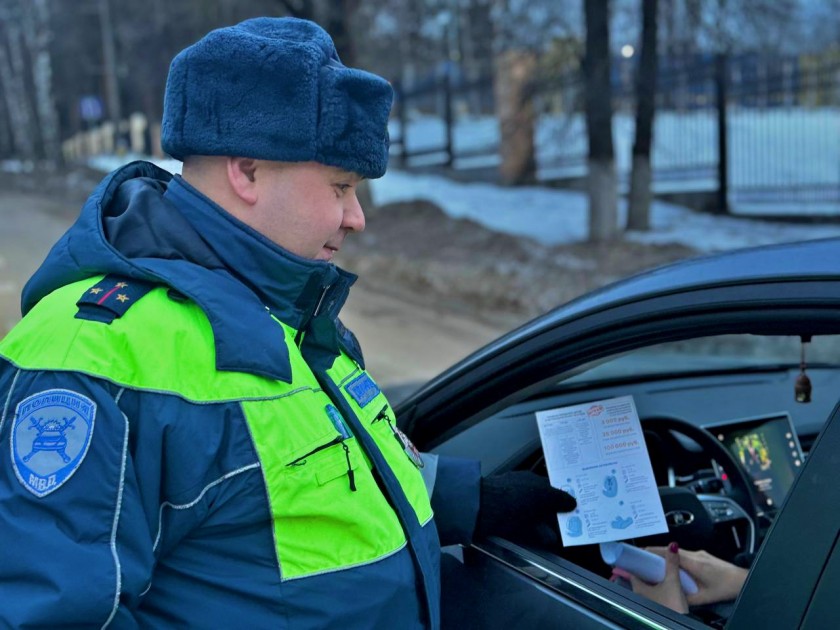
{"points": [[110, 298], [50, 438], [362, 389]]}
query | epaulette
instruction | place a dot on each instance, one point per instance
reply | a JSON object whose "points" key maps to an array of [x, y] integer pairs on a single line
{"points": [[110, 298]]}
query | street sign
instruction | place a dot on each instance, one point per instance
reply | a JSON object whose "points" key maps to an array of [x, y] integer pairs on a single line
{"points": [[90, 108]]}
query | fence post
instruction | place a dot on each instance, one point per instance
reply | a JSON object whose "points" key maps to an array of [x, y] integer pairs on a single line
{"points": [[137, 124], [450, 118], [722, 206], [154, 143]]}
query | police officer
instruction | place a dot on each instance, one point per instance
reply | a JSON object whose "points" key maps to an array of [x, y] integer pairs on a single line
{"points": [[190, 435]]}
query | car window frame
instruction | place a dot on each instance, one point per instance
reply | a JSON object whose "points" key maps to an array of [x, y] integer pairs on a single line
{"points": [[811, 306], [801, 544]]}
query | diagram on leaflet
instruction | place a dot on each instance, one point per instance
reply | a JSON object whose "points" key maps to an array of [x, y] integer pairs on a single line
{"points": [[596, 452]]}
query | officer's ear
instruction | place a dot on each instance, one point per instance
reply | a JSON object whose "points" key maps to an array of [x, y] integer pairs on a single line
{"points": [[241, 174]]}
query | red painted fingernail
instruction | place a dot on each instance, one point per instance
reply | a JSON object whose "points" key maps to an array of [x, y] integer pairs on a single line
{"points": [[674, 547], [616, 572]]}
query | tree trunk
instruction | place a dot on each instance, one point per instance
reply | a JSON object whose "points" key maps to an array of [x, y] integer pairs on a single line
{"points": [[603, 202], [38, 38], [109, 63], [336, 22], [638, 209], [303, 9], [514, 86], [6, 146], [14, 91], [638, 213], [602, 186]]}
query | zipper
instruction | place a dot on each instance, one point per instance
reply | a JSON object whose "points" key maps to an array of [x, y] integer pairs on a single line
{"points": [[299, 335], [384, 415], [406, 446], [351, 476], [391, 489], [300, 461]]}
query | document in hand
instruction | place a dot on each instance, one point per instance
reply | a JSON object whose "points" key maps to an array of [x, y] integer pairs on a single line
{"points": [[596, 452]]}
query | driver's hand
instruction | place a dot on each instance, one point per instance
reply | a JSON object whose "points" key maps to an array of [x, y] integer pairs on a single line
{"points": [[521, 506], [668, 592], [717, 580]]}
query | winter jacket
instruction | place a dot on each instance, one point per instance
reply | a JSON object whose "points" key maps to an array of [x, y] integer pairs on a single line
{"points": [[194, 440]]}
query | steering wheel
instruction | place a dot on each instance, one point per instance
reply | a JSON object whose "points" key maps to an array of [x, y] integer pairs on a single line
{"points": [[698, 530], [741, 486]]}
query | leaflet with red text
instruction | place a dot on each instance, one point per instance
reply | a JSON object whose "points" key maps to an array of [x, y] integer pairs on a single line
{"points": [[596, 452]]}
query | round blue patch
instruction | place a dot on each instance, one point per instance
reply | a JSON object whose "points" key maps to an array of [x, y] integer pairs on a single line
{"points": [[50, 438]]}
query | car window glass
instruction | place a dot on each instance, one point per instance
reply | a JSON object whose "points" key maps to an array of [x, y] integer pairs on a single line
{"points": [[721, 352]]}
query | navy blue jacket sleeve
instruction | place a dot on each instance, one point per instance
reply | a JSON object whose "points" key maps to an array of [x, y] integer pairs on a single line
{"points": [[77, 550], [454, 485]]}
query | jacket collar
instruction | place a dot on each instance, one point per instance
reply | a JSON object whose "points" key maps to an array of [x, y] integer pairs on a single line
{"points": [[258, 280], [292, 287], [249, 281]]}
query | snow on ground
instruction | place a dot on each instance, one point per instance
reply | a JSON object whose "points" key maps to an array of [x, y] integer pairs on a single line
{"points": [[554, 217], [779, 153]]}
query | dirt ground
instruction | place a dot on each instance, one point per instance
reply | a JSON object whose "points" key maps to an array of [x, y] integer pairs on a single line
{"points": [[432, 288], [415, 250]]}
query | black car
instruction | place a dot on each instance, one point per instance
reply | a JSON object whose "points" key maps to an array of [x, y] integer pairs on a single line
{"points": [[714, 351]]}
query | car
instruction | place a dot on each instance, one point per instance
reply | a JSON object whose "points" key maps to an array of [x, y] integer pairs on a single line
{"points": [[721, 355]]}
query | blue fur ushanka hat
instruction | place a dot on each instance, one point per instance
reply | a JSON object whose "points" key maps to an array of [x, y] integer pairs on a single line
{"points": [[275, 89]]}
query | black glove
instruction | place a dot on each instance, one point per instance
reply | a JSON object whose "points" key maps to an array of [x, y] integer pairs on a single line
{"points": [[521, 506]]}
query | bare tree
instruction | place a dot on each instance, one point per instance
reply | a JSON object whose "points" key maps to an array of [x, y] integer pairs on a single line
{"points": [[514, 83], [109, 60], [304, 9], [38, 37], [13, 81], [6, 146], [337, 16], [523, 31], [602, 183], [638, 214], [691, 25]]}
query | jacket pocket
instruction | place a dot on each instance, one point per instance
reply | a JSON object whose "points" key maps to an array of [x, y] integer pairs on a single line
{"points": [[329, 471]]}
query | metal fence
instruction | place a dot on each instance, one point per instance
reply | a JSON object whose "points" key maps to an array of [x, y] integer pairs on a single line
{"points": [[761, 133]]}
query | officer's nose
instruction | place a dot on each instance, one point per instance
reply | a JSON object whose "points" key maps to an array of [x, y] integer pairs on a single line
{"points": [[354, 215]]}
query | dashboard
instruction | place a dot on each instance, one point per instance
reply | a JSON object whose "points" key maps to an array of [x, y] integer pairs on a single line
{"points": [[505, 439], [752, 413]]}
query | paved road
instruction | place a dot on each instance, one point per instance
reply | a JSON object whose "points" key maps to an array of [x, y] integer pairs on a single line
{"points": [[410, 343], [29, 225], [403, 343]]}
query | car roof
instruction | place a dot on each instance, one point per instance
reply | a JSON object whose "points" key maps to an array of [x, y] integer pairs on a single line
{"points": [[805, 260]]}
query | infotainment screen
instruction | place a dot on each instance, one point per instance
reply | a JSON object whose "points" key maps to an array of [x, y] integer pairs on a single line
{"points": [[769, 451]]}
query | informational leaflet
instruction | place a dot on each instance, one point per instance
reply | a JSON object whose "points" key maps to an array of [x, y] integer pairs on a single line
{"points": [[596, 452]]}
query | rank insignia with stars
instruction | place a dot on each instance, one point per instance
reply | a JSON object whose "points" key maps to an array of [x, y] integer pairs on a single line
{"points": [[110, 298]]}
